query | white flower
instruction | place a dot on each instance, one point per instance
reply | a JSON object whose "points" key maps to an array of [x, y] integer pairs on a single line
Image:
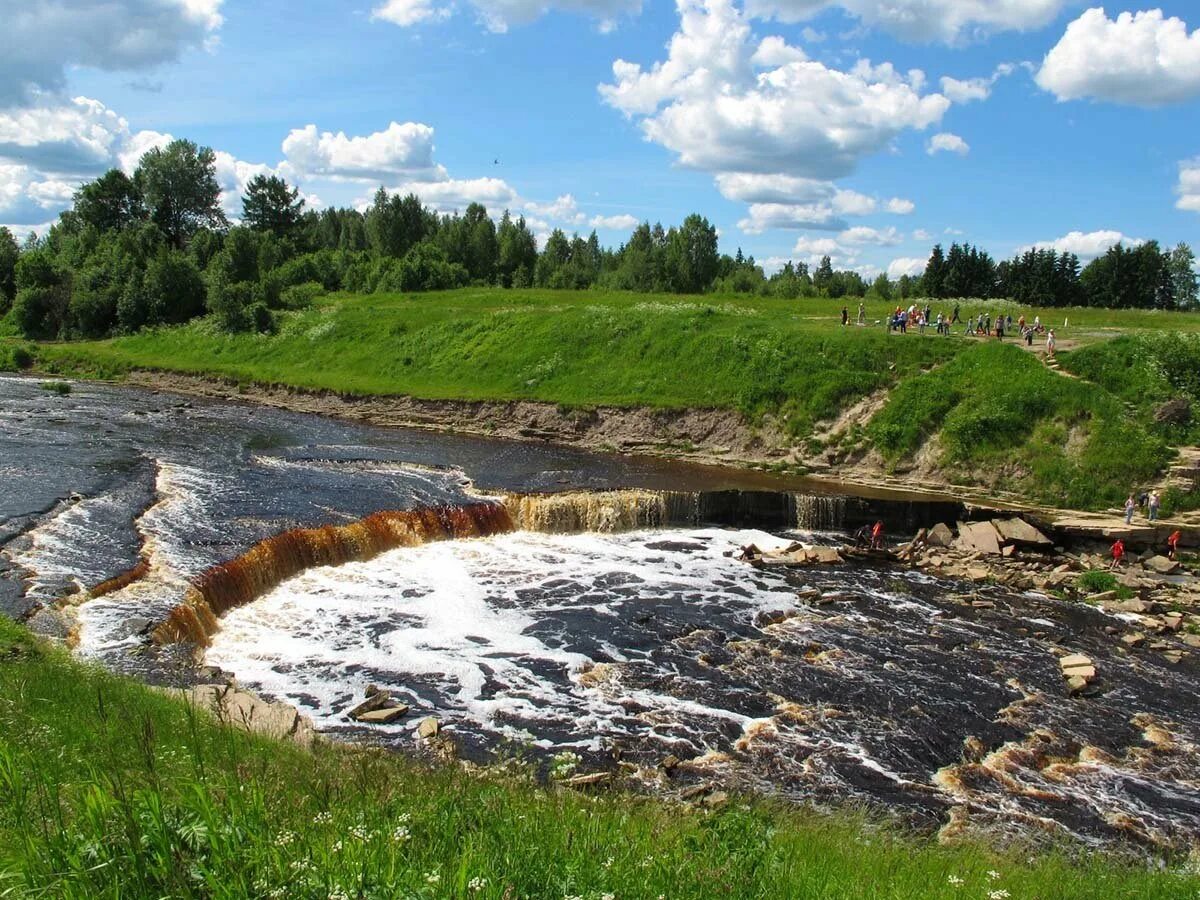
{"points": [[608, 863], [993, 874], [401, 834], [476, 884], [284, 838], [608, 897], [322, 818], [337, 847], [998, 895], [432, 877], [955, 880]]}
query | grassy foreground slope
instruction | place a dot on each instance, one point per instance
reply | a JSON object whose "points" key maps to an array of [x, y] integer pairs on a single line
{"points": [[980, 413], [110, 789]]}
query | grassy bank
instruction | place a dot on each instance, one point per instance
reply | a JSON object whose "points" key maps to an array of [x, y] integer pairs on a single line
{"points": [[982, 414], [109, 789]]}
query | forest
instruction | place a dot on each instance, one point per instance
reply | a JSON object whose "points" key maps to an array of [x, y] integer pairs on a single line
{"points": [[155, 247]]}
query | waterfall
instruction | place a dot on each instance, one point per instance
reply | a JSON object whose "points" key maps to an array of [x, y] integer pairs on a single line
{"points": [[274, 560], [816, 512]]}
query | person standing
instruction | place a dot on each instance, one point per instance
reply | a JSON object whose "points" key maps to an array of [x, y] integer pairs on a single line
{"points": [[1130, 506], [877, 535], [862, 313], [845, 317], [954, 318], [1155, 502], [1173, 544], [1050, 342], [1118, 553]]}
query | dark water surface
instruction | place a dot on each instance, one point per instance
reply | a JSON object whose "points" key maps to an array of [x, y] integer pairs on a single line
{"points": [[618, 647]]}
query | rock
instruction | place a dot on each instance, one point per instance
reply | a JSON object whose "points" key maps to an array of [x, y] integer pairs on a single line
{"points": [[940, 535], [1134, 639], [982, 604], [1087, 673], [588, 780], [1141, 607], [1075, 683], [1161, 565], [429, 727], [978, 537], [1008, 550], [670, 763], [1018, 531], [716, 798], [1072, 660], [774, 617], [249, 712], [384, 716], [1103, 598], [978, 573], [375, 701], [1173, 621], [1192, 640], [1173, 656], [1174, 412]]}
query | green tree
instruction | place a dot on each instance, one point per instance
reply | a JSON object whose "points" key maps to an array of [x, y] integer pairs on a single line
{"points": [[934, 280], [692, 257], [270, 204], [9, 253], [881, 287], [516, 249], [1181, 267], [823, 277], [178, 184], [110, 203], [41, 306], [175, 286]]}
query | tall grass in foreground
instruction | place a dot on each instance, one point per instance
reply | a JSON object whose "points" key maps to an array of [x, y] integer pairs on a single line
{"points": [[110, 789]]}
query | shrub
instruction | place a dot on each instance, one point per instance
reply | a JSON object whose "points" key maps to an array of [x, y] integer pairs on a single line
{"points": [[1096, 581], [14, 357], [62, 388], [301, 296]]}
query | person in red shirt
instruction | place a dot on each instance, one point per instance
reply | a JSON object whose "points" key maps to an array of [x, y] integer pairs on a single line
{"points": [[877, 535], [1173, 544], [1118, 553]]}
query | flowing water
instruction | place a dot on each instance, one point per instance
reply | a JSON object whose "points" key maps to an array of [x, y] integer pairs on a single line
{"points": [[571, 602]]}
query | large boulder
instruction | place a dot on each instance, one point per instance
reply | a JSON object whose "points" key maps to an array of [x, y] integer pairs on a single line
{"points": [[1161, 565], [1174, 412], [940, 535], [1018, 531], [978, 537]]}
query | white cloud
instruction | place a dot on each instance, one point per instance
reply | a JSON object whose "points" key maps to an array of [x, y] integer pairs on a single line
{"points": [[766, 216], [499, 15], [774, 51], [818, 247], [1189, 185], [922, 235], [949, 143], [923, 20], [972, 89], [44, 38], [708, 104], [863, 235], [1086, 246], [905, 265], [1142, 58], [622, 222], [455, 195], [400, 149], [26, 198], [899, 206], [563, 209], [409, 12]]}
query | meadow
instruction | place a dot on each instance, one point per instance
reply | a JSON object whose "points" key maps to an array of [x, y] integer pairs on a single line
{"points": [[109, 788]]}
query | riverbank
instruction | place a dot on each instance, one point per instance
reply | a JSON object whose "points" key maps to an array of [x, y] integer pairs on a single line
{"points": [[736, 382], [115, 788]]}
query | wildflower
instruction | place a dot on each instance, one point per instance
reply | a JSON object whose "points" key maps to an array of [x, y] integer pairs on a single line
{"points": [[432, 877], [337, 847], [401, 834], [359, 832], [338, 894], [323, 818], [955, 880], [998, 895], [476, 884], [284, 839], [608, 863], [993, 874], [404, 818], [608, 897]]}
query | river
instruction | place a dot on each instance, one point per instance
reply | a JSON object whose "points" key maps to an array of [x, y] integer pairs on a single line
{"points": [[548, 618]]}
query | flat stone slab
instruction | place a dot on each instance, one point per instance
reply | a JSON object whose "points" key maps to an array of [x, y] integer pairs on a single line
{"points": [[978, 537], [1018, 531], [384, 716]]}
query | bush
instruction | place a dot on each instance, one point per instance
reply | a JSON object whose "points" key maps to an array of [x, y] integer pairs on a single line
{"points": [[14, 357], [62, 388], [1096, 581], [301, 296], [41, 312]]}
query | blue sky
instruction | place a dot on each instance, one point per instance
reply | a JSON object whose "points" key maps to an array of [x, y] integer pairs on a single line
{"points": [[1064, 124]]}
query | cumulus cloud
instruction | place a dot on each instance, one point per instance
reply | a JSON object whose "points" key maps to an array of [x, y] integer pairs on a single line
{"points": [[1142, 59], [906, 265], [499, 15], [923, 21], [456, 194], [623, 222], [782, 201], [948, 143], [899, 206], [713, 105], [972, 89], [44, 38], [1087, 246], [862, 235], [28, 198], [1189, 185], [400, 149], [563, 209]]}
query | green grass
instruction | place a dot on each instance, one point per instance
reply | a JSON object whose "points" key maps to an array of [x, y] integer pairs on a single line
{"points": [[110, 789], [1003, 419]]}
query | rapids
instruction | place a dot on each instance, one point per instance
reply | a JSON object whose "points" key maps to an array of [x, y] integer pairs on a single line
{"points": [[549, 600]]}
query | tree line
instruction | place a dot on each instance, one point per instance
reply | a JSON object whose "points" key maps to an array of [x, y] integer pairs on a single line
{"points": [[156, 248]]}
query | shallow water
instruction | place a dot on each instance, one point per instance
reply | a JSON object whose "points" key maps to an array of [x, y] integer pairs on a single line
{"points": [[624, 648]]}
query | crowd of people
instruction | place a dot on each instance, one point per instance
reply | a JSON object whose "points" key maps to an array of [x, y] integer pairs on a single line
{"points": [[983, 325]]}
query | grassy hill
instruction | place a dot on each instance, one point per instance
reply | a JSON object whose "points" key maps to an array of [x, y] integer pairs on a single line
{"points": [[982, 414], [111, 789]]}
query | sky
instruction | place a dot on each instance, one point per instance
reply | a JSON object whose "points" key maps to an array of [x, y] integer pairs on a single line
{"points": [[867, 130]]}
